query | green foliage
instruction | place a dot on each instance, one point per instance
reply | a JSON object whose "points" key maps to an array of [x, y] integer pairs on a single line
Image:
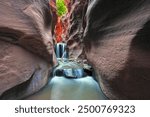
{"points": [[61, 7]]}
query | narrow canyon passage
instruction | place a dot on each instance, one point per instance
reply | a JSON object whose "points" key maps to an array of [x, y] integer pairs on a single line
{"points": [[62, 87], [111, 36]]}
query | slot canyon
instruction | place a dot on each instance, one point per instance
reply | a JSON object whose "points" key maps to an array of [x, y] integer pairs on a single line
{"points": [[112, 36]]}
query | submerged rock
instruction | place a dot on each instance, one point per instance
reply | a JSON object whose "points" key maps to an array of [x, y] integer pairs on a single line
{"points": [[70, 69], [112, 35]]}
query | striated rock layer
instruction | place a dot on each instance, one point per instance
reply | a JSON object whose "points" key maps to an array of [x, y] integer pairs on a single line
{"points": [[27, 23], [25, 46], [75, 27], [112, 35], [18, 66], [117, 44]]}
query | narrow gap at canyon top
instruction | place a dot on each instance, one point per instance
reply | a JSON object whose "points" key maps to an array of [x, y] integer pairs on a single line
{"points": [[60, 9]]}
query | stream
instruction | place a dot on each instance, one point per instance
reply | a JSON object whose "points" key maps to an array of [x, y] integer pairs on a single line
{"points": [[71, 80], [61, 88]]}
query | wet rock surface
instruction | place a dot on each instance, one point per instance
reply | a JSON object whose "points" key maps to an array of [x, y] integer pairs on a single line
{"points": [[112, 35], [25, 47]]}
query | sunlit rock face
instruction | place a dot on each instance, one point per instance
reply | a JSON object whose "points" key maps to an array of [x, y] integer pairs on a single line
{"points": [[117, 44], [25, 46], [75, 27]]}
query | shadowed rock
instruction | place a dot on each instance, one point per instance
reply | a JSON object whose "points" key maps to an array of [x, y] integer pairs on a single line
{"points": [[25, 46], [116, 40], [27, 23], [114, 36]]}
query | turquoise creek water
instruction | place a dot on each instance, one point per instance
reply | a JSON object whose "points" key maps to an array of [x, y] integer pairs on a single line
{"points": [[61, 88]]}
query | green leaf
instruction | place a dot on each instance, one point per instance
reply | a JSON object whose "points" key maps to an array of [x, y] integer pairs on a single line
{"points": [[61, 7]]}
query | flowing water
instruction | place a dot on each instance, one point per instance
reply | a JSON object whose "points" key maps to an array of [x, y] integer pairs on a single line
{"points": [[61, 88], [70, 81]]}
